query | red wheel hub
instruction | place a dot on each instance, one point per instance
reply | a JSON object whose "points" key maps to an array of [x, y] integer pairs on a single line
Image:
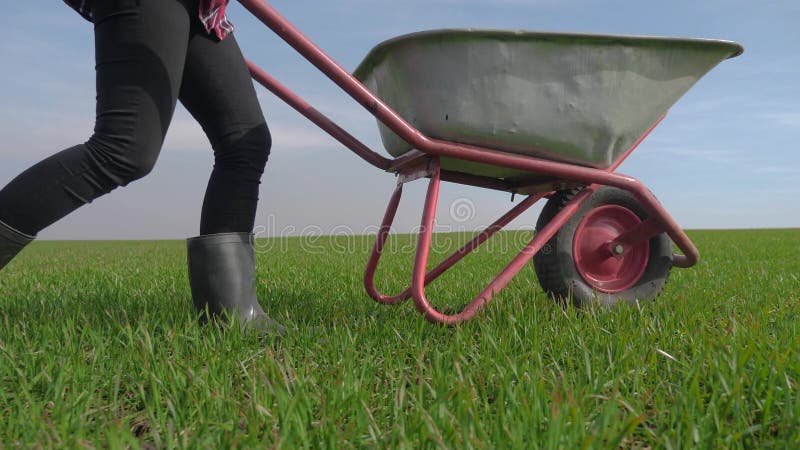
{"points": [[595, 262]]}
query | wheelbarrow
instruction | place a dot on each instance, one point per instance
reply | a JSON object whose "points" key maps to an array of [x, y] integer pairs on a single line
{"points": [[539, 115]]}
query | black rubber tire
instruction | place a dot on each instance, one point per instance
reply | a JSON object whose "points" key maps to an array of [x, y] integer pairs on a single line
{"points": [[555, 265]]}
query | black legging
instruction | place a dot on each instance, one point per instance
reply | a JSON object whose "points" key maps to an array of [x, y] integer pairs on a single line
{"points": [[149, 54]]}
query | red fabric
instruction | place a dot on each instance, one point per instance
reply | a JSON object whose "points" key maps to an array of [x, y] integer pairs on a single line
{"points": [[211, 14]]}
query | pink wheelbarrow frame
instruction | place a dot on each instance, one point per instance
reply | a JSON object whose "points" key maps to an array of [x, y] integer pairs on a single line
{"points": [[424, 162]]}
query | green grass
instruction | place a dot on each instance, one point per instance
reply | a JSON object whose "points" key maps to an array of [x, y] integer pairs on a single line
{"points": [[99, 348]]}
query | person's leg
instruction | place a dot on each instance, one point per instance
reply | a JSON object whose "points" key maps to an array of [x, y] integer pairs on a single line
{"points": [[140, 49], [219, 93]]}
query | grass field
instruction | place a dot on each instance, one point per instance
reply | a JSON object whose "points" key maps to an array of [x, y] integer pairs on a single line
{"points": [[99, 348]]}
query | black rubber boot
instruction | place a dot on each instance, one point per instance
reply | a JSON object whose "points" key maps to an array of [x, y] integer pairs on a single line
{"points": [[11, 242], [222, 278]]}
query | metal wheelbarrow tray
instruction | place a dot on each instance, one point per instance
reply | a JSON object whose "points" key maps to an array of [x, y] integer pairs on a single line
{"points": [[546, 115], [577, 98]]}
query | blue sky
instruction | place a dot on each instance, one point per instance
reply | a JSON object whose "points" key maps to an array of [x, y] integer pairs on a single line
{"points": [[725, 157]]}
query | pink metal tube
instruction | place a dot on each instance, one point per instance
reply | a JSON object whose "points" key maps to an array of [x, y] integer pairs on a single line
{"points": [[391, 119], [377, 249], [482, 237], [690, 254], [423, 249], [318, 118], [458, 255]]}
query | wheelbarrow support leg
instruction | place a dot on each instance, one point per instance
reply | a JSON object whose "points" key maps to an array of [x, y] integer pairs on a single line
{"points": [[449, 262], [420, 277], [423, 250], [377, 250]]}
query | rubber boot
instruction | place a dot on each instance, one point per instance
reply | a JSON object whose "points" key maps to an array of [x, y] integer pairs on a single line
{"points": [[222, 278], [11, 242]]}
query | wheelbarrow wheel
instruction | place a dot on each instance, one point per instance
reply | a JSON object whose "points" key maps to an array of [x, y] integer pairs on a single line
{"points": [[575, 264]]}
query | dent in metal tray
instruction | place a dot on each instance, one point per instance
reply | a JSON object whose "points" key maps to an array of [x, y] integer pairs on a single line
{"points": [[577, 98]]}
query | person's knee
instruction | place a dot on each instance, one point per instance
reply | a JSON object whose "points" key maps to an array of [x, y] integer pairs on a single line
{"points": [[248, 150], [122, 159]]}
